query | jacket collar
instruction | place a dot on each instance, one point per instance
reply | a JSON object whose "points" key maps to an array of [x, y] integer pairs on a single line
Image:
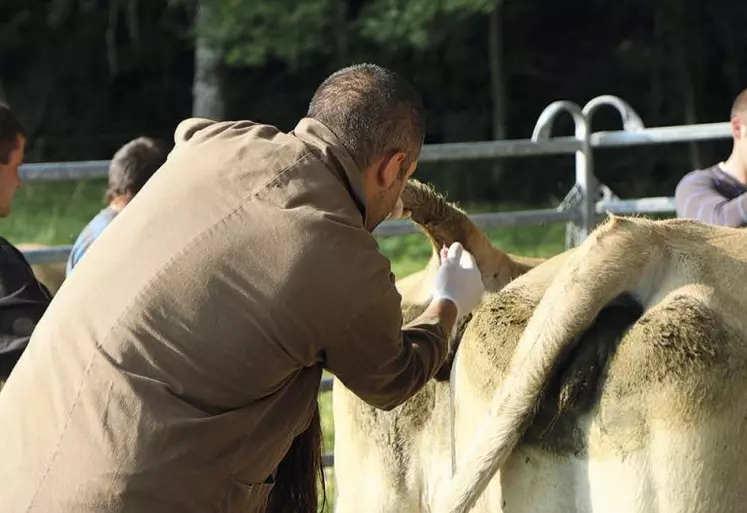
{"points": [[334, 155]]}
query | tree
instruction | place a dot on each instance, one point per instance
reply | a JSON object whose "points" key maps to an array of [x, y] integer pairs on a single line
{"points": [[207, 84], [416, 22], [253, 33]]}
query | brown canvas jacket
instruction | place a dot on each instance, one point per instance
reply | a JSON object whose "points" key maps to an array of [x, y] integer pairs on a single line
{"points": [[182, 356]]}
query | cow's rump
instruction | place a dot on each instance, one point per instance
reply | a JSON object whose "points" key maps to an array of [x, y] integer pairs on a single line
{"points": [[642, 413]]}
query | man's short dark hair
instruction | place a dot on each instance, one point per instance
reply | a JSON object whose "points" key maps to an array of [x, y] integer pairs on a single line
{"points": [[372, 111], [132, 165], [739, 107], [10, 129]]}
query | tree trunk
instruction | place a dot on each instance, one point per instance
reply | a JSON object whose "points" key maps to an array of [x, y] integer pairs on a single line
{"points": [[207, 90], [691, 108], [656, 62], [341, 33], [497, 82], [133, 24], [111, 38], [685, 45], [731, 57]]}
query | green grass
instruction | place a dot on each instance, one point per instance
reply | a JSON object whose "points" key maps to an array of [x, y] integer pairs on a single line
{"points": [[409, 253], [54, 213]]}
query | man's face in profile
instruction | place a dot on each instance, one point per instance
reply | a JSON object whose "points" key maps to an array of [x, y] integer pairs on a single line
{"points": [[9, 177], [385, 202]]}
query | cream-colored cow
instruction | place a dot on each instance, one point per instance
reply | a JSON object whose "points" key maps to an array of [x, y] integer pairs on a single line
{"points": [[390, 461], [633, 408], [609, 378]]}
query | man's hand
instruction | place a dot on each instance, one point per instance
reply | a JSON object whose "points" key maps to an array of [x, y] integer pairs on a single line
{"points": [[458, 280]]}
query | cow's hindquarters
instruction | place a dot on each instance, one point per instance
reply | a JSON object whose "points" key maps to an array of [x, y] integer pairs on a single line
{"points": [[679, 471], [659, 426]]}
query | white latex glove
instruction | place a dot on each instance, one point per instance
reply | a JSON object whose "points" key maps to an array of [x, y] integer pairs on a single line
{"points": [[458, 279]]}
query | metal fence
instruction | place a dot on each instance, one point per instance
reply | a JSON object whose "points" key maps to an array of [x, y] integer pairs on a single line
{"points": [[582, 208]]}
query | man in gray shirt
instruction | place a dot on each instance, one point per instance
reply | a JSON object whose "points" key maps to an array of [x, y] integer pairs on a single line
{"points": [[716, 195]]}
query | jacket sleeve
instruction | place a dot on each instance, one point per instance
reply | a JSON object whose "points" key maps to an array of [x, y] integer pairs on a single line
{"points": [[696, 197], [23, 300], [380, 360]]}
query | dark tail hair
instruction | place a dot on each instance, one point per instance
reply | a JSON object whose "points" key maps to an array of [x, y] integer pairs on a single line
{"points": [[296, 485]]}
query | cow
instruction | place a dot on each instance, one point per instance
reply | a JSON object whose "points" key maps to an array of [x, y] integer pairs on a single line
{"points": [[610, 377], [382, 463]]}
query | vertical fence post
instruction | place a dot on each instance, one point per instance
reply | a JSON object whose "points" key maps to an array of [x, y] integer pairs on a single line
{"points": [[586, 189], [631, 122], [586, 181]]}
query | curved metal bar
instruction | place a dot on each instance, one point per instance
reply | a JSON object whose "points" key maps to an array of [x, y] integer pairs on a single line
{"points": [[586, 183], [630, 118], [543, 127]]}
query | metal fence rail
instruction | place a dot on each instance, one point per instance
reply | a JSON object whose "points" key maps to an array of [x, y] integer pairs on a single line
{"points": [[581, 210]]}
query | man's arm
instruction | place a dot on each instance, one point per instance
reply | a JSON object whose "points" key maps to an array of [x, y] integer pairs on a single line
{"points": [[384, 363], [696, 197]]}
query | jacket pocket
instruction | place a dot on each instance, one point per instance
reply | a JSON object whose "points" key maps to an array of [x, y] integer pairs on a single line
{"points": [[249, 498]]}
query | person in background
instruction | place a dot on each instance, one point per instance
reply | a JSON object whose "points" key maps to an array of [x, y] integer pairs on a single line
{"points": [[132, 165], [718, 195], [23, 299]]}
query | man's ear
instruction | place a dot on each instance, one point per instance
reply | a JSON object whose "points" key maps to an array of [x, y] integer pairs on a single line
{"points": [[736, 127], [390, 169]]}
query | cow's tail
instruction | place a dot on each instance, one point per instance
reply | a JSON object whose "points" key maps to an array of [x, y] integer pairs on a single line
{"points": [[444, 222], [623, 255]]}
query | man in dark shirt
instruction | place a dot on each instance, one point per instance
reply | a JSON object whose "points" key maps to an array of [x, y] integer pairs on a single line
{"points": [[717, 195], [23, 299]]}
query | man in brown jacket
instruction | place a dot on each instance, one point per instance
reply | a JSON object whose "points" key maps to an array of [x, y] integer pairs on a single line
{"points": [[249, 267]]}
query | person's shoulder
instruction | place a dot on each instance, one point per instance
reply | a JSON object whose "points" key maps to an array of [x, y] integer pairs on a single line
{"points": [[699, 177], [17, 275], [11, 255], [102, 219], [710, 173], [96, 225], [260, 146], [197, 130]]}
